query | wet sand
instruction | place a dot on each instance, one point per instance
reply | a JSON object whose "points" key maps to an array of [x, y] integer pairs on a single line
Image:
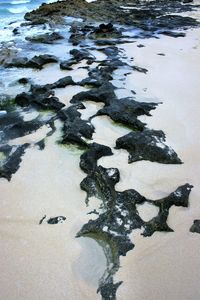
{"points": [[46, 261]]}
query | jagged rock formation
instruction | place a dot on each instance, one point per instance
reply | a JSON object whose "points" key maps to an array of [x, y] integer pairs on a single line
{"points": [[117, 216]]}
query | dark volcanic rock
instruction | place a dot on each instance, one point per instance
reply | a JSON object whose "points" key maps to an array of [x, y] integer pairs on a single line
{"points": [[39, 61], [148, 16], [114, 63], [13, 126], [23, 80], [67, 64], [75, 130], [196, 226], [105, 31], [79, 55], [174, 34], [126, 111], [98, 76], [119, 217], [188, 1], [16, 31], [12, 160], [104, 42], [148, 145], [100, 183], [104, 28], [44, 100], [43, 96], [177, 198], [88, 160], [56, 220], [174, 22], [61, 83], [102, 94], [108, 290], [36, 62], [18, 62], [110, 52], [46, 38], [21, 128]]}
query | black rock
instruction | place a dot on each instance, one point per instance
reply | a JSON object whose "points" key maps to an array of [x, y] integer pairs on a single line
{"points": [[61, 83], [98, 76], [110, 52], [16, 31], [43, 96], [39, 61], [104, 42], [18, 62], [100, 183], [56, 220], [39, 100], [13, 158], [46, 38], [105, 31], [79, 55], [88, 160], [177, 198], [12, 125], [75, 130], [140, 46], [67, 64], [174, 22], [148, 145], [118, 217], [126, 111], [36, 62], [102, 94], [174, 34], [187, 1], [105, 28], [196, 226], [76, 38], [23, 80]]}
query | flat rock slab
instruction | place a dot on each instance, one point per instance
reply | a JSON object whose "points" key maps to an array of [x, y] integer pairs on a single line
{"points": [[46, 38]]}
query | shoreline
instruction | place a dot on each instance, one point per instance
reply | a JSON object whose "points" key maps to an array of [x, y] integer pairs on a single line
{"points": [[56, 101]]}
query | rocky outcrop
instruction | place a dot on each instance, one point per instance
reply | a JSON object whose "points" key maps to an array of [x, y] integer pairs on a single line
{"points": [[43, 99], [118, 216], [36, 62], [147, 16], [46, 38], [127, 111], [88, 160], [148, 145], [102, 94], [195, 228], [10, 159], [75, 130]]}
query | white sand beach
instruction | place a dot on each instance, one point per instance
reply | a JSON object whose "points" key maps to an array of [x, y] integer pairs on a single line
{"points": [[47, 262]]}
